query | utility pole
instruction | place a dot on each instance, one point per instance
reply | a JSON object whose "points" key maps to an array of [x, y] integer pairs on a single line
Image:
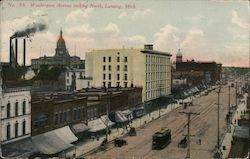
{"points": [[107, 114], [236, 103], [188, 131], [229, 112], [218, 153]]}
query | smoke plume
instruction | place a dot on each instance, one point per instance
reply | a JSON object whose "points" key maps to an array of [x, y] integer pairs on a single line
{"points": [[30, 30]]}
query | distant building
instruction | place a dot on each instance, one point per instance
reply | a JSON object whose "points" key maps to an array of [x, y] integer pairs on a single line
{"points": [[197, 72], [62, 57], [146, 68], [70, 78]]}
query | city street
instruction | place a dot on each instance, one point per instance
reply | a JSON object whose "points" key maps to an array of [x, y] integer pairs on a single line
{"points": [[203, 127]]}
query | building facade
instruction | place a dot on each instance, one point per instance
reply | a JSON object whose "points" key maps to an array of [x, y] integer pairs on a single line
{"points": [[144, 68], [70, 78], [56, 111], [62, 57], [15, 115]]}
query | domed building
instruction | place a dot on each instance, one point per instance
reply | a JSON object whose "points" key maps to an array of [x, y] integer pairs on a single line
{"points": [[61, 57]]}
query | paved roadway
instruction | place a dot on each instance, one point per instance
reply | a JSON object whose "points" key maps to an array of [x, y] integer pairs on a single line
{"points": [[203, 126]]}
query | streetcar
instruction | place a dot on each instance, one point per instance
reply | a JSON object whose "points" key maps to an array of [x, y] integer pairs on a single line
{"points": [[161, 139]]}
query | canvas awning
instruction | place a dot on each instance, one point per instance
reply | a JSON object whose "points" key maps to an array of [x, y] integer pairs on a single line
{"points": [[79, 127], [96, 125], [106, 120], [120, 118], [128, 113], [54, 141]]}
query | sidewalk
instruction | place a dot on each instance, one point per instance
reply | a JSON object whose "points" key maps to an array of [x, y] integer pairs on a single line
{"points": [[229, 135], [84, 147]]}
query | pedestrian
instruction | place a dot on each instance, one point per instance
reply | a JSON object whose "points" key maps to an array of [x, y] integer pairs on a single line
{"points": [[200, 141], [97, 137]]}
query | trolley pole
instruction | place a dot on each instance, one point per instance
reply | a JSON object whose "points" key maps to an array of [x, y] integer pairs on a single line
{"points": [[188, 131], [218, 153]]}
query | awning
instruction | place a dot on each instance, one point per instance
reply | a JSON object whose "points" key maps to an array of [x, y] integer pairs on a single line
{"points": [[106, 120], [128, 113], [54, 141], [96, 125], [120, 118], [79, 127]]}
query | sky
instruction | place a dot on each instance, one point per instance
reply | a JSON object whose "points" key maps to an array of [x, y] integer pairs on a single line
{"points": [[204, 30]]}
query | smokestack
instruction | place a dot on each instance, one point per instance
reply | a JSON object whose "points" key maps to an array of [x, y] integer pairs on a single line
{"points": [[10, 50], [16, 51], [24, 51]]}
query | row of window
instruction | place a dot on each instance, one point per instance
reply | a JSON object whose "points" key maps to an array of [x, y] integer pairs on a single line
{"points": [[117, 76], [117, 59], [157, 59], [117, 84], [16, 109], [117, 68], [8, 129]]}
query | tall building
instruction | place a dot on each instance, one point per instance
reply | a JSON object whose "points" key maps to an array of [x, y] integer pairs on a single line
{"points": [[62, 57], [146, 68]]}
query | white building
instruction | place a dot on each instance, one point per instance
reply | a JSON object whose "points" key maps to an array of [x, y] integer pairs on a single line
{"points": [[15, 114], [146, 68], [71, 75]]}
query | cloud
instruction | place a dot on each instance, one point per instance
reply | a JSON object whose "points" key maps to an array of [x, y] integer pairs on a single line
{"points": [[135, 15], [80, 30], [239, 21], [123, 15], [112, 28], [167, 38], [78, 14]]}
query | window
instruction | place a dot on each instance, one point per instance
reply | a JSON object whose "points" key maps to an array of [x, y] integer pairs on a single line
{"points": [[104, 76], [79, 113], [126, 59], [65, 116], [109, 84], [103, 67], [118, 84], [8, 131], [118, 59], [56, 118], [125, 68], [125, 77], [118, 67], [24, 127], [104, 59], [8, 110], [109, 76], [24, 107], [109, 59], [61, 117], [109, 67], [118, 76], [67, 74], [125, 84], [104, 84], [16, 109], [16, 129], [67, 80]]}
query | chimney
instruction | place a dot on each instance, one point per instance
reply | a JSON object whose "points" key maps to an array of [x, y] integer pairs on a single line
{"points": [[10, 55], [148, 47], [16, 51], [24, 52]]}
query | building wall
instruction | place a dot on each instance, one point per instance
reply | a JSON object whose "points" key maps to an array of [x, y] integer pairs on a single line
{"points": [[69, 76], [56, 114], [152, 72], [11, 98]]}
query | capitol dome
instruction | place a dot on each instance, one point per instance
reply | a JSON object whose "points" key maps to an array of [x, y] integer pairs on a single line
{"points": [[60, 41]]}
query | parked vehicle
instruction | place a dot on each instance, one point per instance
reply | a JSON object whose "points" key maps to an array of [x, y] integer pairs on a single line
{"points": [[120, 142], [161, 139]]}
